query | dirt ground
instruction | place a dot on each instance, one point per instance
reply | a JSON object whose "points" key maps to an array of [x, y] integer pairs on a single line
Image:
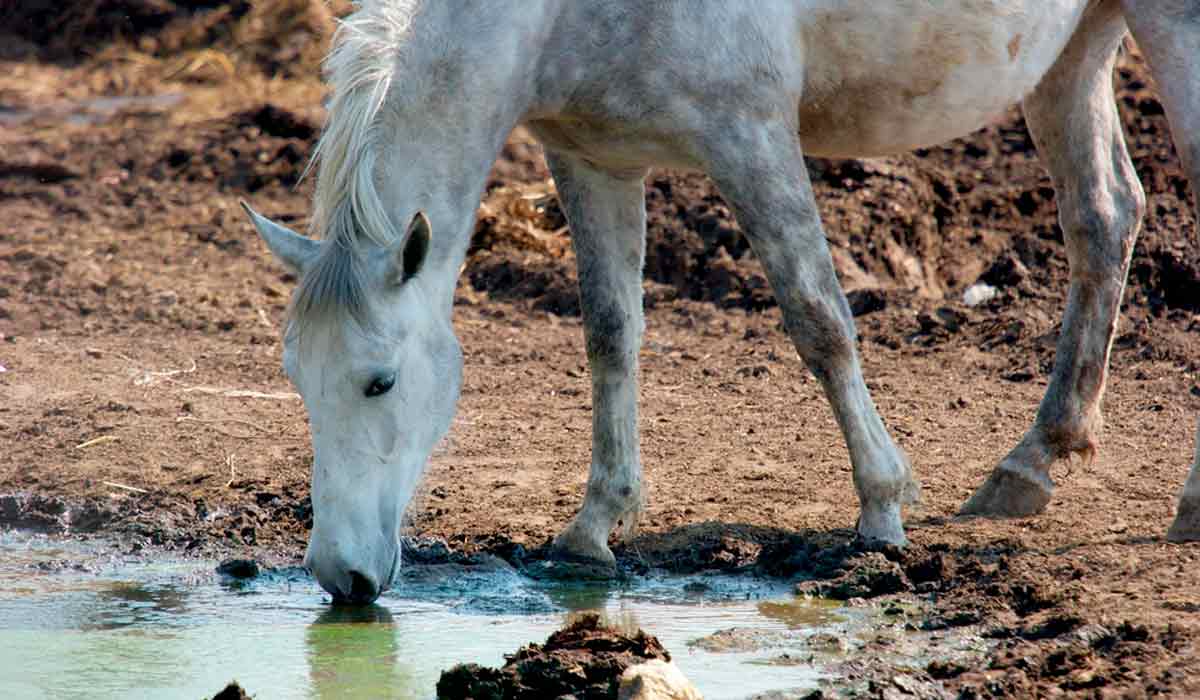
{"points": [[141, 394]]}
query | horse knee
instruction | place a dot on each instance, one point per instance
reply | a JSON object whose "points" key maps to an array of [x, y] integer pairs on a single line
{"points": [[612, 332], [618, 490]]}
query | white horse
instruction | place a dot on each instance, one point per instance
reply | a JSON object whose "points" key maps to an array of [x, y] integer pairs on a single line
{"points": [[425, 94]]}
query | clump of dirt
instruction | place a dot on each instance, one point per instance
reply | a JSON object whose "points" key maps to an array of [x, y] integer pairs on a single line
{"points": [[585, 660], [233, 691], [869, 575], [266, 146]]}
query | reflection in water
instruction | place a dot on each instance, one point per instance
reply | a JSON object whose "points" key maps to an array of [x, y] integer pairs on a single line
{"points": [[126, 603], [595, 597], [802, 612], [581, 597], [354, 652]]}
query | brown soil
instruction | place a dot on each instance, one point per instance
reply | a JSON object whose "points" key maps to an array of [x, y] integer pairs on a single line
{"points": [[584, 660], [142, 396]]}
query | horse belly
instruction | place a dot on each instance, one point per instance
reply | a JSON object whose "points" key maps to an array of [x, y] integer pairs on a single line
{"points": [[884, 78]]}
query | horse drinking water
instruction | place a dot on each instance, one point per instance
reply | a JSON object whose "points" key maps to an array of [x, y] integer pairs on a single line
{"points": [[425, 94]]}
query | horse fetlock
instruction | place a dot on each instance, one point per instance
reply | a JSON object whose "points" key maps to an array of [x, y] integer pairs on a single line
{"points": [[614, 495], [627, 524], [1063, 428], [894, 483], [880, 522]]}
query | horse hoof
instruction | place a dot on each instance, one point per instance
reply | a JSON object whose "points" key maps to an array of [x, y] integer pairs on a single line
{"points": [[881, 525], [568, 568], [1010, 494], [1186, 527]]}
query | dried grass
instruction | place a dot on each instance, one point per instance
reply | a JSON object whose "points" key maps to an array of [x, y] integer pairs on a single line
{"points": [[242, 393], [522, 217]]}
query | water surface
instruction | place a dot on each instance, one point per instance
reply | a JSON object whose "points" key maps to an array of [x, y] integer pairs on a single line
{"points": [[77, 620]]}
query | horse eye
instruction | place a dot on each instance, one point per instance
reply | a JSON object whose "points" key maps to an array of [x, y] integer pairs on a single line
{"points": [[380, 385]]}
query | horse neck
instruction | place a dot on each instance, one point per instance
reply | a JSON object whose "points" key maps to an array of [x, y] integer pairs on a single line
{"points": [[437, 151]]}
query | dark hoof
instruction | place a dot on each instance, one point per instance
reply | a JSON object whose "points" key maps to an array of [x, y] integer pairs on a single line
{"points": [[1186, 527]]}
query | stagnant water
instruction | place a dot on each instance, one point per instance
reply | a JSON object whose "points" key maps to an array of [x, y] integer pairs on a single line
{"points": [[77, 620]]}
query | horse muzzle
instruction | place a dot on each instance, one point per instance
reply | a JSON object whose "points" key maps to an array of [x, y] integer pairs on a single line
{"points": [[352, 577]]}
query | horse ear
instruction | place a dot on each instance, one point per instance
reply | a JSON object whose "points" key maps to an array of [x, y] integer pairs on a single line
{"points": [[409, 256], [290, 248]]}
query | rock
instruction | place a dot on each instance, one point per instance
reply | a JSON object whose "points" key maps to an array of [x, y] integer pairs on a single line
{"points": [[233, 691], [979, 293], [656, 680], [238, 568], [952, 319], [1006, 271], [828, 643], [740, 640], [471, 681], [866, 301]]}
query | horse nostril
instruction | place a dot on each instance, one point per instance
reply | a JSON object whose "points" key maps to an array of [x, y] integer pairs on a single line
{"points": [[362, 589]]}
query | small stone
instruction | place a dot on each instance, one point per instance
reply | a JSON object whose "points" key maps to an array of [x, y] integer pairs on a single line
{"points": [[656, 680], [233, 691], [979, 293], [828, 643], [1006, 271], [866, 301], [238, 568]]}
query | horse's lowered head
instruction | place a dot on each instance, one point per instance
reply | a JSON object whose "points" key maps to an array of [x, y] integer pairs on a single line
{"points": [[379, 372]]}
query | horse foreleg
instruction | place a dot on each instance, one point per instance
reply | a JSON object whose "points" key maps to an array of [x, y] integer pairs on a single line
{"points": [[1073, 118], [1168, 33], [607, 216], [758, 167]]}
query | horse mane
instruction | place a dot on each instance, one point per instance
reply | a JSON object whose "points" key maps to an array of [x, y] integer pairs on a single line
{"points": [[347, 209]]}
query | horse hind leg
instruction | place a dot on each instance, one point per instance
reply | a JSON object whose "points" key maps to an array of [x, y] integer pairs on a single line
{"points": [[1168, 33], [607, 216], [1073, 118], [1186, 527]]}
